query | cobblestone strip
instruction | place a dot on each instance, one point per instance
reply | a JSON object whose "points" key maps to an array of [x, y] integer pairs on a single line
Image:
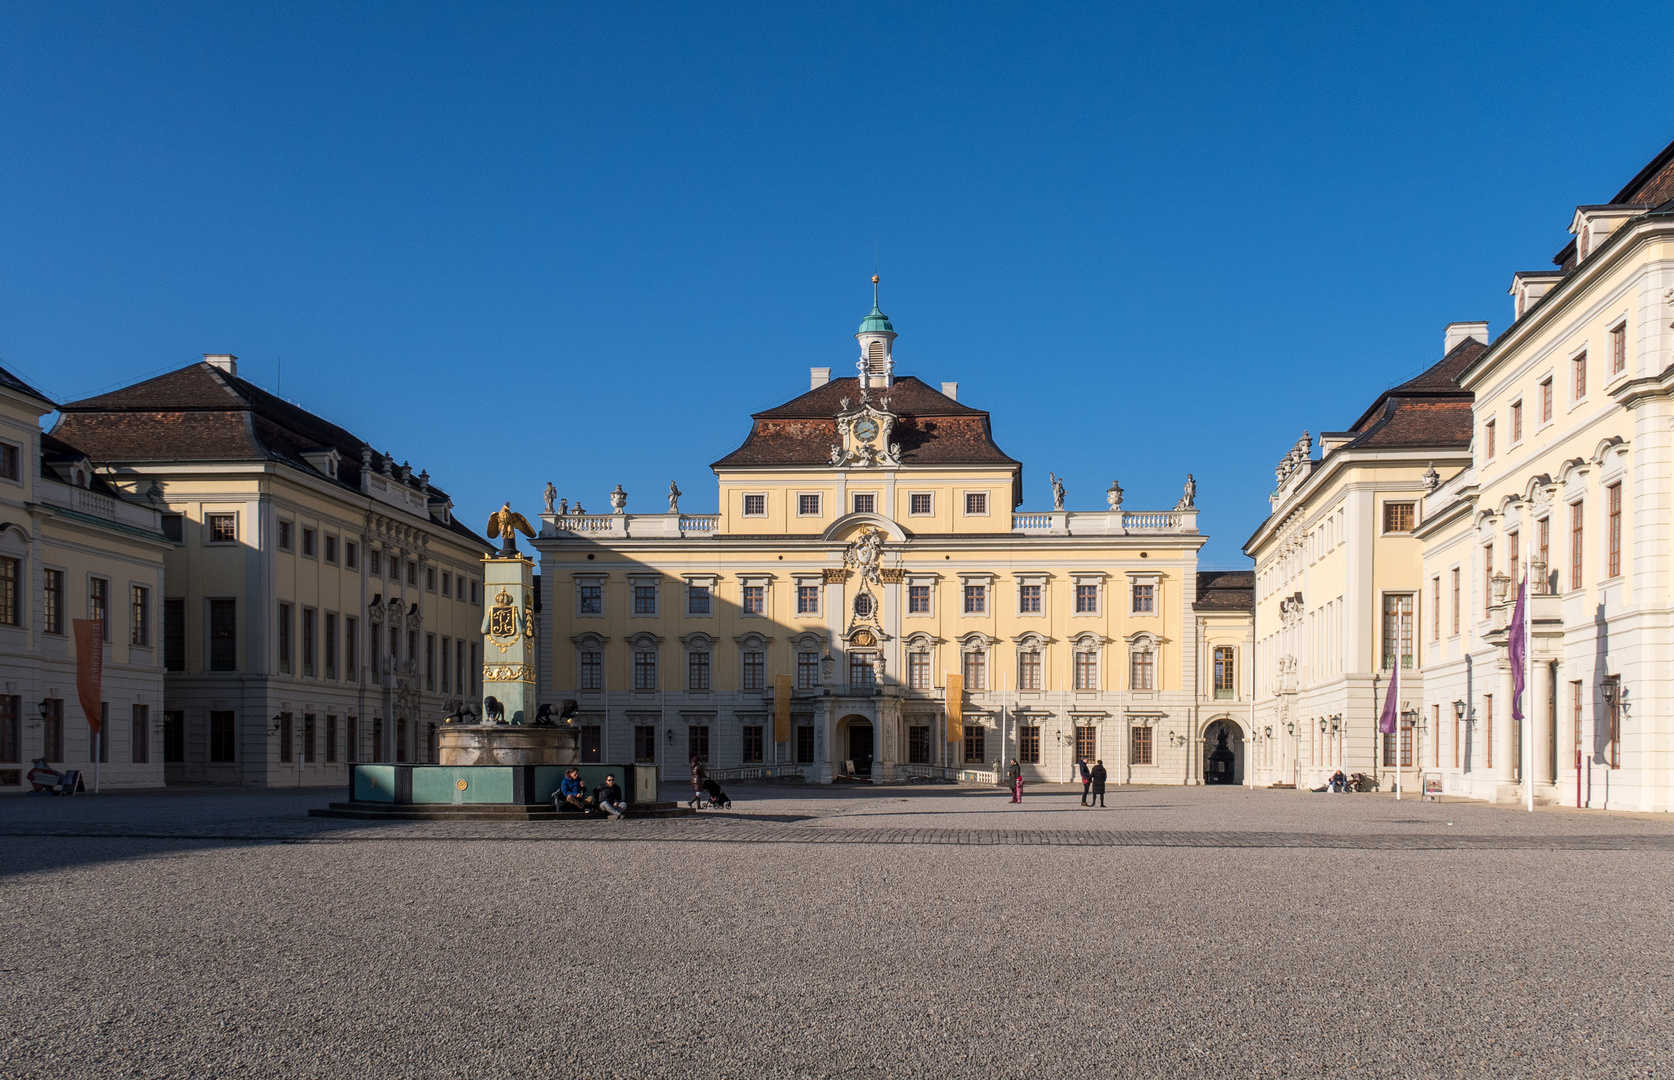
{"points": [[740, 833]]}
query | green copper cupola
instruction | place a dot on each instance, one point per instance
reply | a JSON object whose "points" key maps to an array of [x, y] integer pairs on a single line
{"points": [[877, 339]]}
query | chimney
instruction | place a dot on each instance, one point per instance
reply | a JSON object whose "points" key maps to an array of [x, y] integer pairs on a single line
{"points": [[1457, 332], [227, 362], [818, 377], [950, 389]]}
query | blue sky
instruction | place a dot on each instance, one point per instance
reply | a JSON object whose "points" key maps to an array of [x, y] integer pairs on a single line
{"points": [[584, 242]]}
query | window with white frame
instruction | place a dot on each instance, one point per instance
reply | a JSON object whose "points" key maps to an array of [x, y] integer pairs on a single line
{"points": [[1029, 666], [698, 597], [865, 503], [1142, 665], [753, 666], [807, 597], [976, 599], [1086, 666], [753, 596], [1086, 598], [918, 670], [697, 667], [976, 504], [1029, 600], [645, 596], [918, 599], [645, 665], [589, 596], [974, 666], [589, 664], [755, 505], [808, 505], [921, 504]]}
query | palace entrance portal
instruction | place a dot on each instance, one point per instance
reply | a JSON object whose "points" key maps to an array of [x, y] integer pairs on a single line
{"points": [[857, 742], [1223, 753]]}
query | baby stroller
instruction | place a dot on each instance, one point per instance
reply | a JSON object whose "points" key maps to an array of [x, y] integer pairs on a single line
{"points": [[713, 796]]}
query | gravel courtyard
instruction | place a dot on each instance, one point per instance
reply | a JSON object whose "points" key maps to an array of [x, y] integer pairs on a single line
{"points": [[888, 932]]}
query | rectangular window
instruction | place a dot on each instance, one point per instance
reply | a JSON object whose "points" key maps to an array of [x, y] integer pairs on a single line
{"points": [[807, 599], [976, 503], [174, 528], [645, 669], [1613, 534], [1456, 599], [1142, 670], [591, 667], [807, 670], [1086, 599], [52, 601], [1226, 684], [918, 744], [976, 599], [1618, 348], [920, 504], [98, 599], [223, 736], [375, 563], [1487, 576], [1511, 551], [697, 599], [11, 729], [755, 506], [753, 744], [645, 743], [331, 739], [1028, 671], [1488, 438], [1543, 544], [1086, 670], [645, 599], [430, 579], [310, 618], [976, 745], [430, 661], [866, 504], [351, 649], [1576, 544], [351, 740], [52, 730], [1435, 608], [1579, 366], [331, 646], [447, 665], [1087, 742], [697, 742], [351, 555], [223, 635], [1516, 422], [1397, 517], [755, 599], [976, 670], [139, 615], [285, 745], [804, 744], [861, 672], [308, 738], [918, 671], [1397, 630], [308, 536], [1488, 731], [697, 670], [11, 459], [808, 505], [447, 583], [591, 598], [1144, 599], [1545, 400], [754, 670], [1143, 747], [284, 536], [475, 599], [918, 599], [330, 548], [1028, 599], [1028, 745], [286, 619]]}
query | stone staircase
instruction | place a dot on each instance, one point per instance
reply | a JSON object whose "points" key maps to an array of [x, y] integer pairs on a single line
{"points": [[378, 811]]}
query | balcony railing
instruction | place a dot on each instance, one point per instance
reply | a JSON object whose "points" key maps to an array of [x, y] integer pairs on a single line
{"points": [[1035, 523]]}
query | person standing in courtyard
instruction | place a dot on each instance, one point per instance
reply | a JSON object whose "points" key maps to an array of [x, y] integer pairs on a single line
{"points": [[1015, 775], [1099, 776], [1086, 775]]}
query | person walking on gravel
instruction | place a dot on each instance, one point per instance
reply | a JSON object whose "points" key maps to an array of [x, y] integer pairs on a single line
{"points": [[698, 777], [1099, 776], [1015, 775], [1086, 778]]}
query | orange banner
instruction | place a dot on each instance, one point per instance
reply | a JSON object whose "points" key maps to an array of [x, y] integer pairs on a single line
{"points": [[781, 708], [90, 668], [955, 707]]}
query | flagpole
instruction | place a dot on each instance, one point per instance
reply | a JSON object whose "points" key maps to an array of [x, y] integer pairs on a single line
{"points": [[1529, 683]]}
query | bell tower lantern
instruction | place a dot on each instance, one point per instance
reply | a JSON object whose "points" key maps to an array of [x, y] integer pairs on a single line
{"points": [[877, 339]]}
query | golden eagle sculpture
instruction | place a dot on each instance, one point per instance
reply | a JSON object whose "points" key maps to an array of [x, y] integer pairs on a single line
{"points": [[504, 525]]}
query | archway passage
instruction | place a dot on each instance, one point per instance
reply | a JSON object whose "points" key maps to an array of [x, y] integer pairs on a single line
{"points": [[1223, 753], [860, 744]]}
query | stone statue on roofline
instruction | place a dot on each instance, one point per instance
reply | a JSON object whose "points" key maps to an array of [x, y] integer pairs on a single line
{"points": [[1057, 491], [1188, 501], [674, 494], [551, 496]]}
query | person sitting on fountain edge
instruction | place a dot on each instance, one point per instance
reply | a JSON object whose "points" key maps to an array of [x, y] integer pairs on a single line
{"points": [[610, 797], [572, 793]]}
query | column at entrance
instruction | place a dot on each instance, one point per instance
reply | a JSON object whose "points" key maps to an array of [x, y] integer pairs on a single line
{"points": [[887, 742], [1505, 741], [1540, 725]]}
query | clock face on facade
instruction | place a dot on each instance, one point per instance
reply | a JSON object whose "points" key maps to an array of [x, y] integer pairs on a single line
{"points": [[866, 429]]}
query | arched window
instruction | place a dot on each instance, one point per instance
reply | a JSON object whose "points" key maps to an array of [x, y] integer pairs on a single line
{"points": [[1029, 663], [1142, 665], [875, 358]]}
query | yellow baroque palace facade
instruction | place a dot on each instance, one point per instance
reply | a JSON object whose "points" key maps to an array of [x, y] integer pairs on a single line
{"points": [[869, 603]]}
